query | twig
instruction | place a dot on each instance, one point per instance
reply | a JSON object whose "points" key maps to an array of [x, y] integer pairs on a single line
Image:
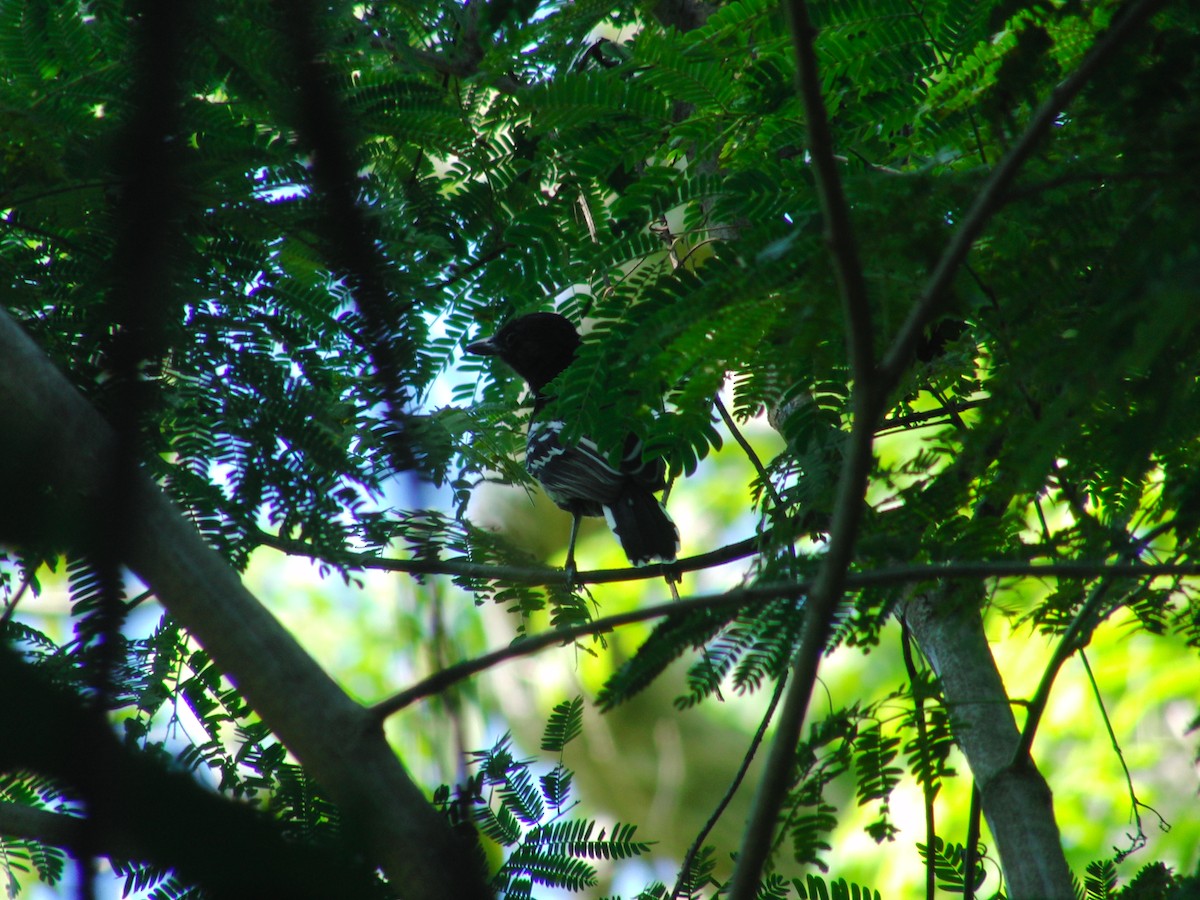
{"points": [[698, 844], [912, 420], [1138, 840], [927, 792], [1076, 637], [971, 852], [11, 606], [768, 486], [1079, 632], [948, 409]]}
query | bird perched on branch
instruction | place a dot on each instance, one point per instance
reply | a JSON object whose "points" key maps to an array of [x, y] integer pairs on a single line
{"points": [[576, 476]]}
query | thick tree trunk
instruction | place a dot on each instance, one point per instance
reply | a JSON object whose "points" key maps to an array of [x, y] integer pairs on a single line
{"points": [[1015, 797], [56, 458]]}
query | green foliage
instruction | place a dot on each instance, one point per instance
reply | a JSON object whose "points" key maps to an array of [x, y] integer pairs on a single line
{"points": [[650, 176], [876, 775], [159, 884], [27, 856], [1154, 881], [434, 536], [816, 888], [755, 646], [949, 864], [565, 724], [1101, 881], [928, 754], [544, 849], [849, 742], [675, 636]]}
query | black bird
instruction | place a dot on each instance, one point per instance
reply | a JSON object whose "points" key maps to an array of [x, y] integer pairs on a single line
{"points": [[577, 477]]}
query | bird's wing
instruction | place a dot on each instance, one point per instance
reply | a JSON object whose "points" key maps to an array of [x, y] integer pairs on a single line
{"points": [[573, 475], [649, 473]]}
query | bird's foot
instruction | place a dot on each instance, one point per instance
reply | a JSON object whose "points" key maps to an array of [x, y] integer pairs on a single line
{"points": [[571, 571], [671, 586]]}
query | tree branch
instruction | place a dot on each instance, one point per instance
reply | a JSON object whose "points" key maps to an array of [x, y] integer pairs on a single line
{"points": [[54, 828], [1015, 797], [53, 462], [739, 776], [777, 505], [928, 788], [852, 483], [1076, 637], [869, 394], [137, 809], [390, 326], [528, 645], [537, 574], [532, 574], [835, 211]]}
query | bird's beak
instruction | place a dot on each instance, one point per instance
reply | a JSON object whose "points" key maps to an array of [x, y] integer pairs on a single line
{"points": [[486, 347]]}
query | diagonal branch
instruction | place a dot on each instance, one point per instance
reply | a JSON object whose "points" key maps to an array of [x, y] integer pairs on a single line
{"points": [[852, 483], [835, 211], [527, 646], [685, 870], [53, 464], [777, 504], [972, 571], [871, 387]]}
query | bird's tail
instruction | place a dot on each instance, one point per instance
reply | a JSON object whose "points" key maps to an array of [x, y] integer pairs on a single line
{"points": [[647, 534]]}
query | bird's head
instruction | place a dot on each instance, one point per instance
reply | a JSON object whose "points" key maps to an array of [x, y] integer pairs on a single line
{"points": [[538, 346]]}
